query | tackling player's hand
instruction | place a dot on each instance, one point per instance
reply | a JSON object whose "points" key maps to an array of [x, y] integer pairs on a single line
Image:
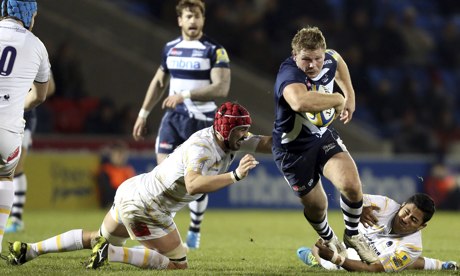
{"points": [[367, 216], [324, 251], [247, 163], [172, 101], [139, 129]]}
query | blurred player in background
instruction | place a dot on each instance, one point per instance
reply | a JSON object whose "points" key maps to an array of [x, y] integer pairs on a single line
{"points": [[145, 205], [15, 222], [199, 73], [303, 151], [393, 230], [23, 64]]}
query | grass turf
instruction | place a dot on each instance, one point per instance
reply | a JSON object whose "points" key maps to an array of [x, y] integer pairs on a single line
{"points": [[234, 242]]}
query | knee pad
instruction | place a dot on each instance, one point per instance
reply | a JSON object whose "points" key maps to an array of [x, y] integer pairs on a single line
{"points": [[179, 254], [114, 240]]}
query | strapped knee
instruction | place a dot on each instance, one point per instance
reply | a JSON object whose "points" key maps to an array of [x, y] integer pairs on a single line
{"points": [[114, 240], [179, 254]]}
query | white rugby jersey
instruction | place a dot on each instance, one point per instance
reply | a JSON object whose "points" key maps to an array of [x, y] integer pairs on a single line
{"points": [[189, 63], [23, 60], [164, 187], [395, 252]]}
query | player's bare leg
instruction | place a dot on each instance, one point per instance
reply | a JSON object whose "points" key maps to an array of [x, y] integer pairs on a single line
{"points": [[342, 172], [315, 211]]}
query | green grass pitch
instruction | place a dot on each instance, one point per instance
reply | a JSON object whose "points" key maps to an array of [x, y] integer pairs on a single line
{"points": [[234, 242]]}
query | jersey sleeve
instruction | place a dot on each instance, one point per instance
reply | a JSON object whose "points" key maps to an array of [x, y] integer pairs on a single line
{"points": [[401, 258], [333, 54], [288, 74], [220, 58], [164, 56], [44, 69]]}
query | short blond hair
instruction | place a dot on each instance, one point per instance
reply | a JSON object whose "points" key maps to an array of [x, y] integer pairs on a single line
{"points": [[309, 38], [191, 5]]}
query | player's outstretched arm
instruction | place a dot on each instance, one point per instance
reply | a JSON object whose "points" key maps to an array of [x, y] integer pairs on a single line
{"points": [[196, 183], [350, 265]]}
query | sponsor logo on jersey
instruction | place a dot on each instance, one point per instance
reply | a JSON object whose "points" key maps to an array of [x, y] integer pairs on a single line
{"points": [[389, 243], [184, 64], [327, 61], [222, 56], [400, 259], [197, 53], [310, 182], [325, 79], [328, 147], [175, 52]]}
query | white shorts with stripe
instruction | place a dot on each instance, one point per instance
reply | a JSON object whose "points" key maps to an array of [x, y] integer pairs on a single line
{"points": [[10, 151], [143, 221]]}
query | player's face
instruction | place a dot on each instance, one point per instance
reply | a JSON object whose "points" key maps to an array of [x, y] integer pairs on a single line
{"points": [[408, 219], [237, 136], [191, 22], [310, 61]]}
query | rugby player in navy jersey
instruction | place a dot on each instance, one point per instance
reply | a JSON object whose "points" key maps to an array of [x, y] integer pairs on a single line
{"points": [[198, 72], [303, 151]]}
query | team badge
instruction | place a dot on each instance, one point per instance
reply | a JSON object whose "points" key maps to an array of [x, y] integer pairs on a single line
{"points": [[222, 56]]}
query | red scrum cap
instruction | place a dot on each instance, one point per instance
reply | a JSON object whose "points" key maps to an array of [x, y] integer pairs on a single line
{"points": [[228, 116]]}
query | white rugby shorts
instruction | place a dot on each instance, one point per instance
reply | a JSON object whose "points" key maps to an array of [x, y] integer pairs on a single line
{"points": [[144, 221], [10, 151]]}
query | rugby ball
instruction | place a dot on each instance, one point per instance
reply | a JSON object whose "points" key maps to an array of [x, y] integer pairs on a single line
{"points": [[323, 118]]}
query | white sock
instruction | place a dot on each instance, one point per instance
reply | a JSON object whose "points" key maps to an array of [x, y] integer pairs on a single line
{"points": [[68, 241], [140, 257], [20, 190], [432, 264], [6, 201]]}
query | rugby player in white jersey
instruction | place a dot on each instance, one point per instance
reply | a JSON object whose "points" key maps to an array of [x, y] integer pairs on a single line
{"points": [[198, 71], [24, 65], [15, 222], [393, 232], [145, 205]]}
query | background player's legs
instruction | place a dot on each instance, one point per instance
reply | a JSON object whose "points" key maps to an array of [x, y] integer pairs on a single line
{"points": [[197, 209], [15, 222]]}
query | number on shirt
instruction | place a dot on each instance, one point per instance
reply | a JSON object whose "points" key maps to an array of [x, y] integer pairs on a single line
{"points": [[7, 59]]}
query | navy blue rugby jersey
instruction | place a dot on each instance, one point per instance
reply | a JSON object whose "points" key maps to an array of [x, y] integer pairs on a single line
{"points": [[291, 130], [189, 64]]}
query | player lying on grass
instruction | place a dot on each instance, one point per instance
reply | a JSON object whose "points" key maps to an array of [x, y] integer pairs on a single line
{"points": [[392, 230], [145, 205]]}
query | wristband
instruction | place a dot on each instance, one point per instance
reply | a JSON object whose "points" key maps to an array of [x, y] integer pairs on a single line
{"points": [[186, 94], [235, 175], [337, 259], [143, 113], [334, 257]]}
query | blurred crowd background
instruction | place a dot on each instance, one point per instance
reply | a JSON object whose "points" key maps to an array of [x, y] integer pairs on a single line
{"points": [[402, 57]]}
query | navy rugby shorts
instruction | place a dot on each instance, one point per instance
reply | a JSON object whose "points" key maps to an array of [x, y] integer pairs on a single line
{"points": [[302, 170]]}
